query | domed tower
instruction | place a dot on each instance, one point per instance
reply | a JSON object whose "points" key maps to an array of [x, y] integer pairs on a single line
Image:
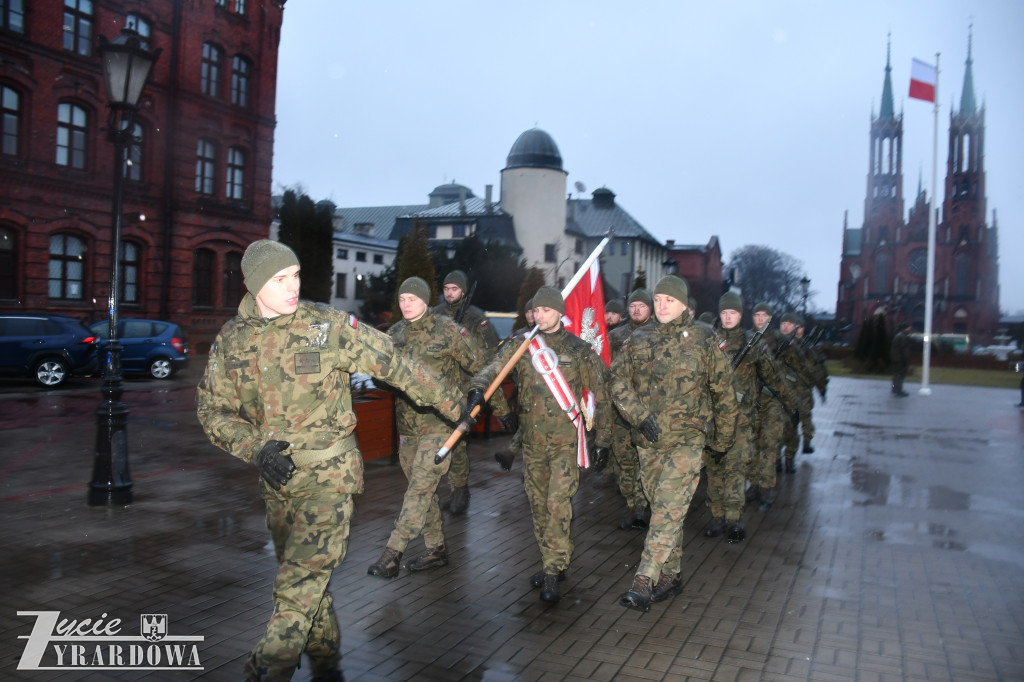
{"points": [[533, 192]]}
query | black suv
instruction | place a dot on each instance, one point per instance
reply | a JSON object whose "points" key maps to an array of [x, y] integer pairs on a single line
{"points": [[47, 347]]}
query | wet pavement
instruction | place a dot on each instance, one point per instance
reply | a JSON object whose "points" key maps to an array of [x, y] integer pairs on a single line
{"points": [[894, 553]]}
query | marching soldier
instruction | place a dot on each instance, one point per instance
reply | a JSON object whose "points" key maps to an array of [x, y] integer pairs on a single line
{"points": [[276, 393], [444, 347], [797, 366], [625, 461], [899, 356], [454, 289], [673, 384], [557, 380]]}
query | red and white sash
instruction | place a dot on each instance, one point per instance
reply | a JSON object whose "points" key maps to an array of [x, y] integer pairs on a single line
{"points": [[545, 361]]}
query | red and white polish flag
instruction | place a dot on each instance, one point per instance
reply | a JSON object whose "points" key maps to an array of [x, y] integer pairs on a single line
{"points": [[922, 80], [584, 312]]}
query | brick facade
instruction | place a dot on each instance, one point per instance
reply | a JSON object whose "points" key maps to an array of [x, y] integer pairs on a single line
{"points": [[182, 256]]}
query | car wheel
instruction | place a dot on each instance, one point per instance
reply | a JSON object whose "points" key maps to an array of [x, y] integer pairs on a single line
{"points": [[51, 372], [161, 368]]}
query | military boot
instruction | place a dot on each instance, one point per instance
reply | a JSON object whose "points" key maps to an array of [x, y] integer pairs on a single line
{"points": [[669, 584], [549, 590], [387, 565], [640, 516], [790, 465], [626, 522], [713, 529], [808, 450], [767, 498], [737, 533], [332, 676], [537, 579], [434, 557], [460, 500], [639, 595]]}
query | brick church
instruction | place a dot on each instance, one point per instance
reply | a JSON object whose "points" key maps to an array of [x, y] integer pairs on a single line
{"points": [[884, 262], [197, 185]]}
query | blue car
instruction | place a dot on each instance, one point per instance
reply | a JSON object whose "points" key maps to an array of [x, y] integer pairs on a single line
{"points": [[152, 346], [49, 348]]}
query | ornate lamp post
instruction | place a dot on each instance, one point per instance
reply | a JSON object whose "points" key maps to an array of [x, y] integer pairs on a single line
{"points": [[126, 67], [805, 285]]}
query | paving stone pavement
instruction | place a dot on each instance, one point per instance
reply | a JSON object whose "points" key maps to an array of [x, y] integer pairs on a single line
{"points": [[894, 553]]}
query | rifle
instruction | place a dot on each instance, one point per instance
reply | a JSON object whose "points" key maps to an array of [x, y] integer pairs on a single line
{"points": [[465, 304], [754, 339], [787, 341], [812, 338]]}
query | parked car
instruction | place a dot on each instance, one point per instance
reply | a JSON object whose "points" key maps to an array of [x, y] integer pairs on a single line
{"points": [[49, 348], [152, 346]]}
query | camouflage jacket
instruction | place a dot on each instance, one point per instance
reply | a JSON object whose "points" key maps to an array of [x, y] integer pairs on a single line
{"points": [[797, 365], [287, 379], [677, 372], [757, 369], [474, 320], [618, 336], [542, 424], [447, 349]]}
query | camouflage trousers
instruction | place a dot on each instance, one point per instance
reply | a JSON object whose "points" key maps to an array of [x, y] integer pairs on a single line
{"points": [[670, 478], [420, 514], [771, 422], [727, 479], [551, 477], [626, 466], [791, 435], [458, 474], [310, 536]]}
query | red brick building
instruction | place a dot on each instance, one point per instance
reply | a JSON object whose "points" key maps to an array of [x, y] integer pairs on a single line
{"points": [[701, 266], [197, 185], [884, 262]]}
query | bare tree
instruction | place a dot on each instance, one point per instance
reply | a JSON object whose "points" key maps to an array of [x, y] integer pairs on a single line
{"points": [[768, 276]]}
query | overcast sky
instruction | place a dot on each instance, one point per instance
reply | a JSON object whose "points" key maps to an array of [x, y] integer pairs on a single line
{"points": [[745, 120]]}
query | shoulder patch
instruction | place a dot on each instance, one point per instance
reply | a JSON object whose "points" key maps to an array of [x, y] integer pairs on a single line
{"points": [[353, 321], [462, 330], [483, 323]]}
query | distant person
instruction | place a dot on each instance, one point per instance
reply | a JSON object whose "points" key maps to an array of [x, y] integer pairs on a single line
{"points": [[276, 394], [614, 313], [899, 356]]}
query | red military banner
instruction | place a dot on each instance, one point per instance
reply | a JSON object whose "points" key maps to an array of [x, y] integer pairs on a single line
{"points": [[584, 312]]}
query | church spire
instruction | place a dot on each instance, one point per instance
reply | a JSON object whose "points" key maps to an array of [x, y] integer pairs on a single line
{"points": [[967, 102], [887, 110]]}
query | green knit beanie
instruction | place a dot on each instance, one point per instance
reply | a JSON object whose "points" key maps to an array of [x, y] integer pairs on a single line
{"points": [[671, 285], [642, 296], [416, 286], [790, 317], [615, 306], [730, 300], [459, 279], [264, 259], [549, 297], [763, 307]]}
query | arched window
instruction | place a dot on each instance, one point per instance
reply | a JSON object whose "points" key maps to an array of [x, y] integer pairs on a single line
{"points": [[78, 26], [8, 264], [240, 71], [202, 277], [138, 24], [67, 268], [72, 133], [235, 185], [206, 160], [12, 15], [234, 288], [130, 257], [881, 279], [209, 77], [10, 110]]}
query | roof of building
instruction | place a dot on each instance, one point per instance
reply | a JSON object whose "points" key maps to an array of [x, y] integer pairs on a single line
{"points": [[534, 149], [471, 207], [381, 217], [592, 217], [361, 240]]}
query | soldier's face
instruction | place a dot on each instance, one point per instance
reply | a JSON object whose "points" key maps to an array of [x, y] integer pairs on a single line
{"points": [[452, 293], [760, 318], [612, 319], [529, 316], [730, 318], [667, 308], [280, 295], [639, 312], [787, 328], [799, 332], [548, 319], [412, 306]]}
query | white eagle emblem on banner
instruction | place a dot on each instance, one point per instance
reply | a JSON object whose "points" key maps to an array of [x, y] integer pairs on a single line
{"points": [[590, 330]]}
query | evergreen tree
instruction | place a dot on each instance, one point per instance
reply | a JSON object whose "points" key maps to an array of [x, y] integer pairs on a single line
{"points": [[308, 229], [640, 281]]}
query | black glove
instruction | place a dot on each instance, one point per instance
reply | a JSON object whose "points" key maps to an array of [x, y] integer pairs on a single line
{"points": [[601, 456], [649, 429], [716, 455], [474, 398], [274, 467], [505, 459], [510, 422]]}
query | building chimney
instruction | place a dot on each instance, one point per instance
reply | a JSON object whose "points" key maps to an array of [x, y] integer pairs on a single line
{"points": [[487, 198], [462, 201]]}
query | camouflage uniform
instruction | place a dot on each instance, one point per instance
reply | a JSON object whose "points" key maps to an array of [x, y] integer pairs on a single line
{"points": [[775, 405], [550, 472], [796, 364], [476, 323], [287, 378], [676, 372], [625, 460], [447, 350]]}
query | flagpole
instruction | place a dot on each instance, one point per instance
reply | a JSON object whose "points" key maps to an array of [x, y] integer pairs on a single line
{"points": [[465, 425], [929, 295]]}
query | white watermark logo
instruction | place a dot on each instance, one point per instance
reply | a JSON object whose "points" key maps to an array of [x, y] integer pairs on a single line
{"points": [[57, 643]]}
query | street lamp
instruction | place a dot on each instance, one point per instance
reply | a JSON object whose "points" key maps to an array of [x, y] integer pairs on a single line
{"points": [[805, 285], [126, 67]]}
